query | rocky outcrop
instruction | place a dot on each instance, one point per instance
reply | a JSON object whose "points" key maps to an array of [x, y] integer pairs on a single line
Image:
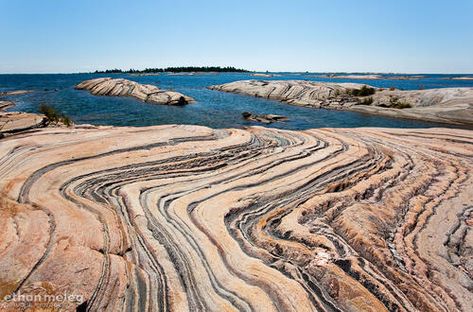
{"points": [[262, 75], [124, 87], [354, 76], [14, 122], [186, 218], [462, 78], [296, 92], [265, 118], [449, 105], [14, 92], [5, 105]]}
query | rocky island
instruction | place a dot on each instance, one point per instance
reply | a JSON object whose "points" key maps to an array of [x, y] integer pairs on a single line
{"points": [[187, 218], [448, 105], [124, 87]]}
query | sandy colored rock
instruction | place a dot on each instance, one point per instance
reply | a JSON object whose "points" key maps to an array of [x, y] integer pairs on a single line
{"points": [[124, 87], [15, 122], [447, 105], [186, 218], [462, 78], [14, 92], [354, 76], [5, 105]]}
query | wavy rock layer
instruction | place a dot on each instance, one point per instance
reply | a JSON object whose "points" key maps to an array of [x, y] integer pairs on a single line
{"points": [[5, 105], [16, 122], [450, 105], [178, 218], [124, 87], [13, 122]]}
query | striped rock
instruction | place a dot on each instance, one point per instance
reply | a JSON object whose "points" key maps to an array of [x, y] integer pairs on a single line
{"points": [[186, 218], [446, 105], [124, 87]]}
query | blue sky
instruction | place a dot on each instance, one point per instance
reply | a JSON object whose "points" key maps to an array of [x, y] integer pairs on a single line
{"points": [[411, 36]]}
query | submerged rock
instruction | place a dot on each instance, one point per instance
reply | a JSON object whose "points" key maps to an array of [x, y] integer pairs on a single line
{"points": [[124, 87], [267, 118]]}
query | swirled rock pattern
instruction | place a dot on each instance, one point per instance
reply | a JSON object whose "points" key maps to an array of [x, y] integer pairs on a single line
{"points": [[124, 87], [447, 105], [186, 218]]}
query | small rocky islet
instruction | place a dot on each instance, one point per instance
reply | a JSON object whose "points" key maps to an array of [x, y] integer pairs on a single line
{"points": [[124, 87]]}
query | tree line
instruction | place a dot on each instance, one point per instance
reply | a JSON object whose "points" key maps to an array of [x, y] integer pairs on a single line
{"points": [[186, 69]]}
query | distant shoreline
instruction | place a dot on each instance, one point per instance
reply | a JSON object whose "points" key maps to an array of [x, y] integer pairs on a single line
{"points": [[185, 69], [452, 76]]}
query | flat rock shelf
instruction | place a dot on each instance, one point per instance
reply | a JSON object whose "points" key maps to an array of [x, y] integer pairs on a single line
{"points": [[187, 218]]}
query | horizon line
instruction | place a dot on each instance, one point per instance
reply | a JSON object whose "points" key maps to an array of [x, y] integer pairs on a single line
{"points": [[248, 71]]}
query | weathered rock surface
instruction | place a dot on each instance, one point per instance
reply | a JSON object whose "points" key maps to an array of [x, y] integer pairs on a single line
{"points": [[179, 218], [354, 76], [124, 87], [6, 104], [15, 122], [262, 75], [463, 78], [449, 105], [297, 92], [266, 118], [14, 92]]}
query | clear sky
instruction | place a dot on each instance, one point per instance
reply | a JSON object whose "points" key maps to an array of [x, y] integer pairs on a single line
{"points": [[410, 36]]}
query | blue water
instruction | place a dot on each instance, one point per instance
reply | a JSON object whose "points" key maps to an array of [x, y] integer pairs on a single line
{"points": [[212, 108]]}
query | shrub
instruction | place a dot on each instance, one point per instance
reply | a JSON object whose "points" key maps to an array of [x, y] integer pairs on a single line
{"points": [[364, 91], [401, 105], [54, 116], [367, 101], [395, 103]]}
